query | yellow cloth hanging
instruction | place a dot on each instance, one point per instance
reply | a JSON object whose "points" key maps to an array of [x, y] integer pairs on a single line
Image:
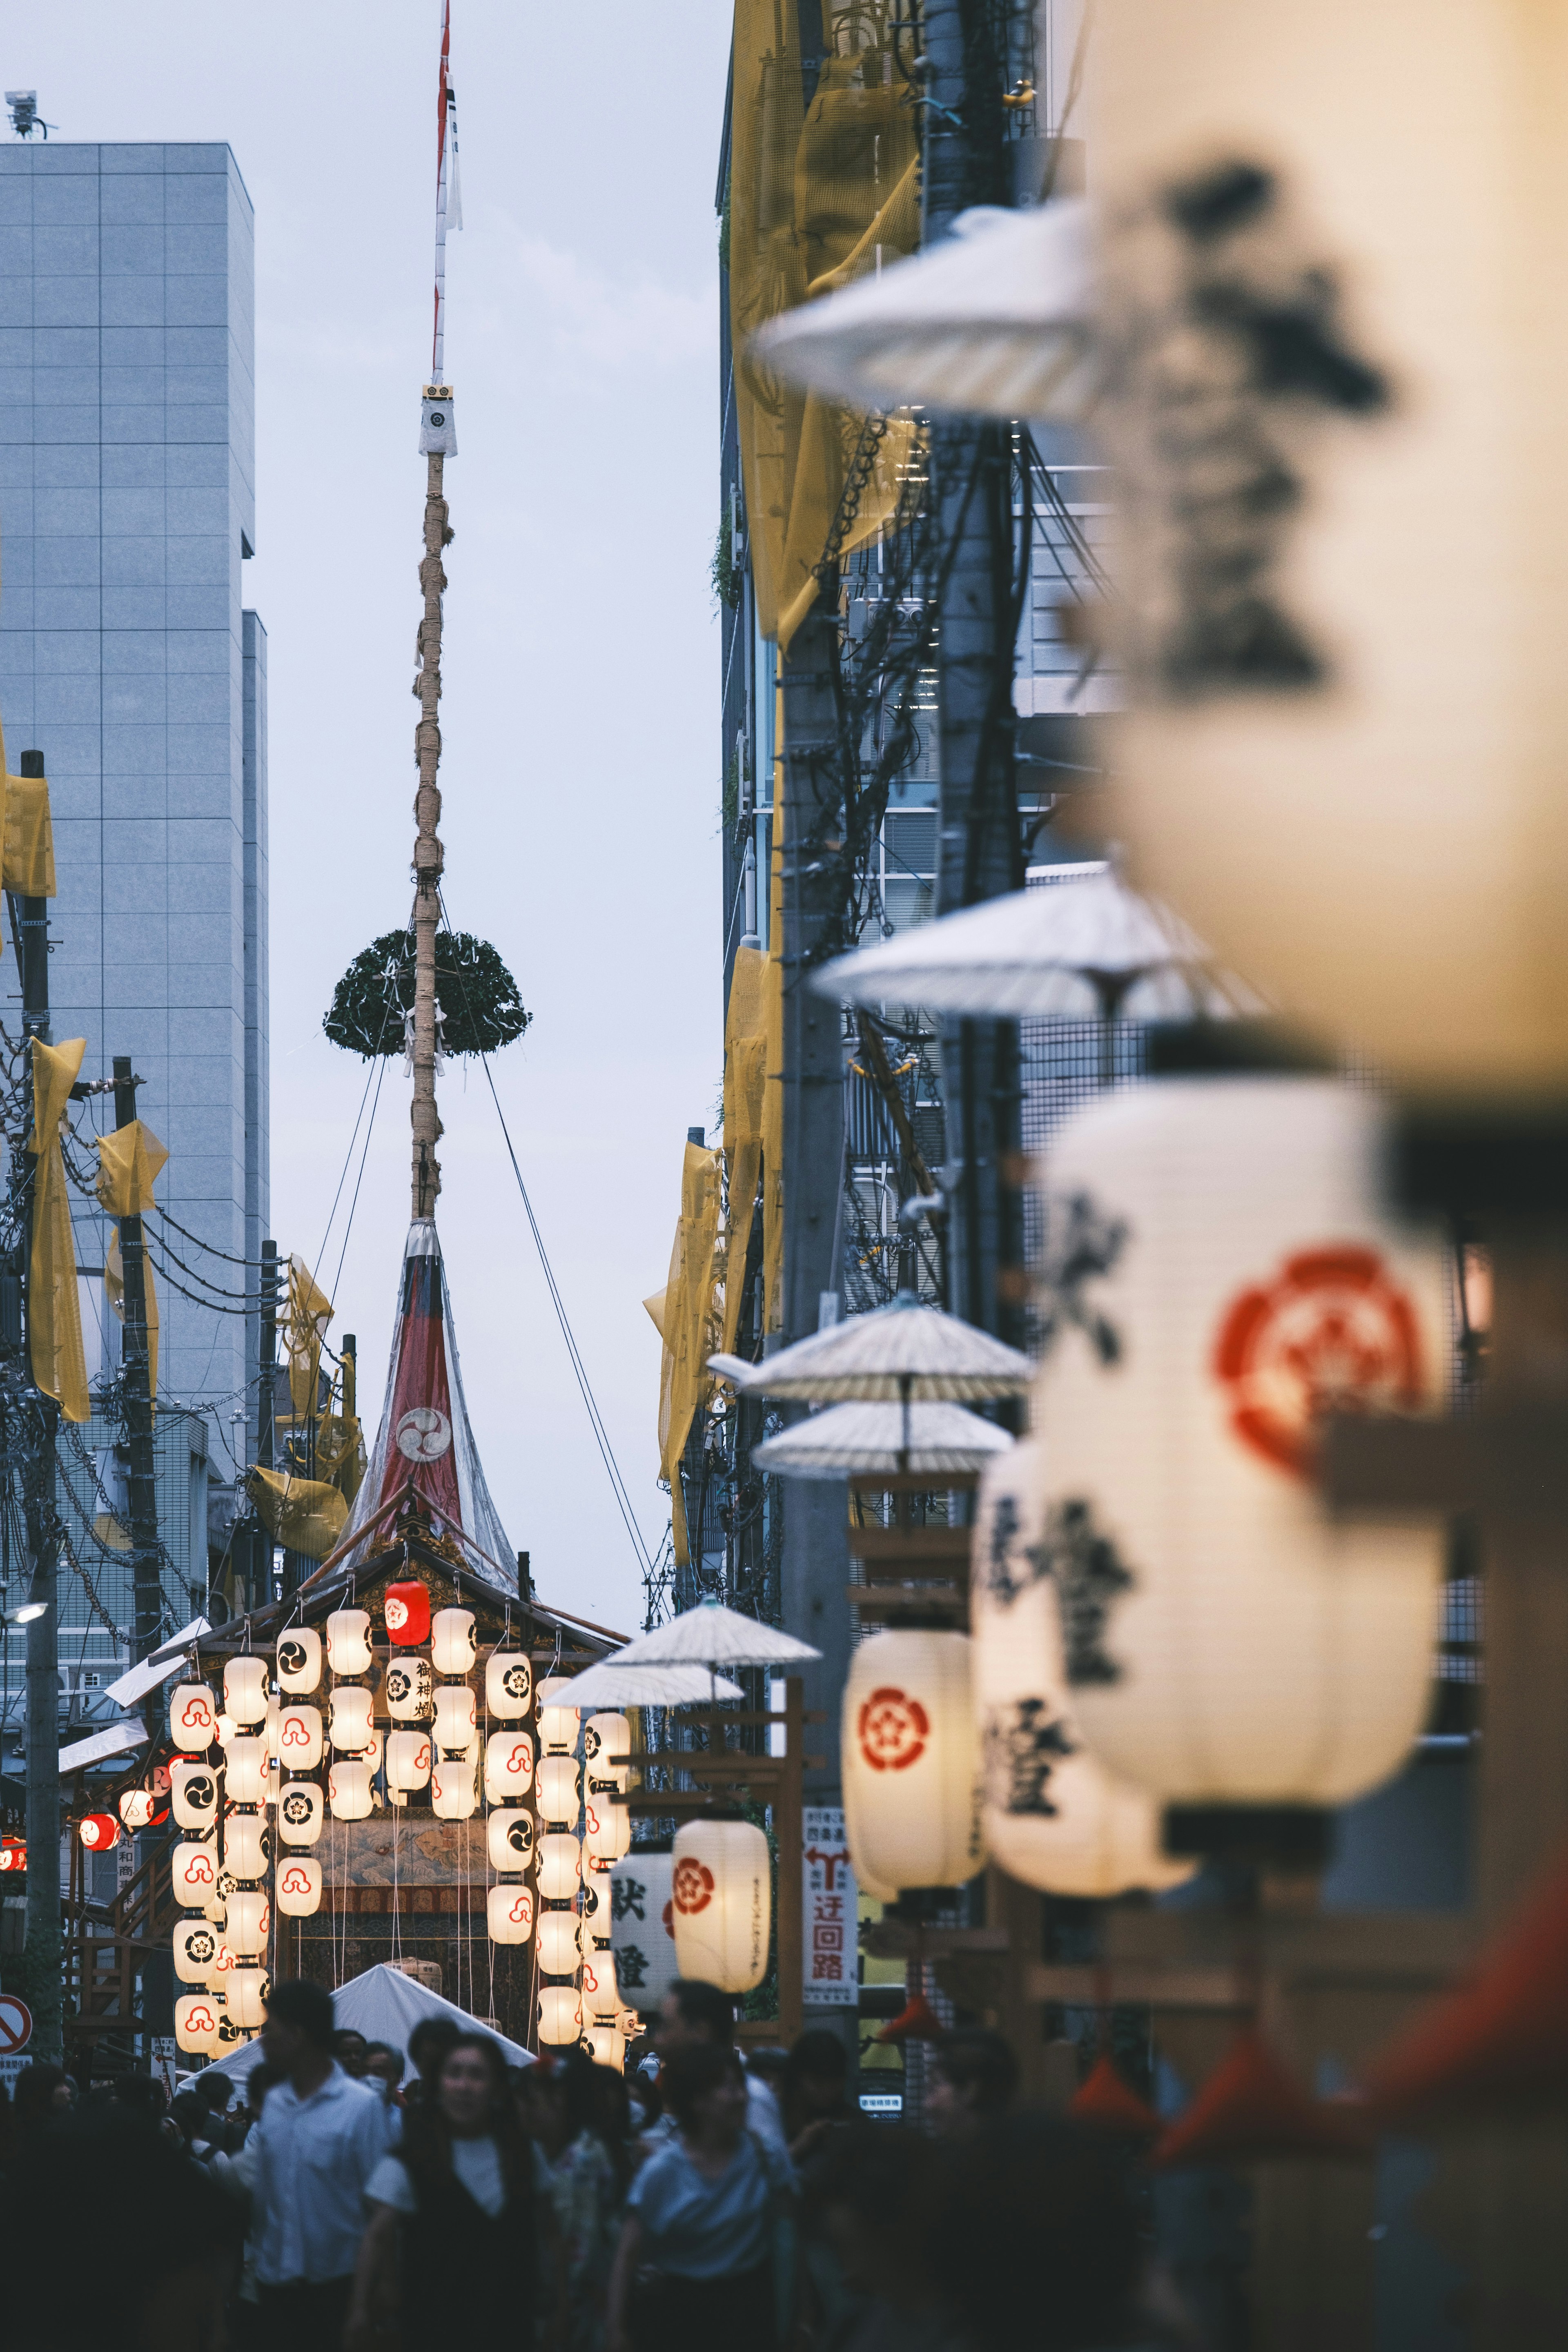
{"points": [[114, 1287], [129, 1160], [339, 1453], [691, 1324], [745, 1075], [29, 841], [310, 1312], [54, 1310], [773, 1070], [307, 1514], [653, 1307]]}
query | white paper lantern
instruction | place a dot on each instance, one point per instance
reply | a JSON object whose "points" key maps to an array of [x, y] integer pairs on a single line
{"points": [[558, 1724], [601, 2003], [509, 1914], [244, 1690], [349, 1790], [911, 1760], [1224, 1642], [195, 2023], [299, 1735], [642, 1927], [722, 1903], [247, 1770], [1053, 1817], [453, 1796], [408, 1760], [226, 1728], [300, 1812], [605, 2045], [272, 1728], [559, 2014], [588, 1942], [509, 1765], [193, 1794], [247, 1848], [137, 1807], [192, 1872], [509, 1685], [348, 1642], [195, 1943], [298, 1886], [560, 1865], [249, 1916], [594, 1908], [274, 1780], [245, 1997], [192, 1718], [557, 1932], [352, 1723], [509, 1837], [452, 1646], [606, 1750], [558, 1797], [222, 1966], [298, 1660], [607, 1829], [409, 1684], [455, 1713]]}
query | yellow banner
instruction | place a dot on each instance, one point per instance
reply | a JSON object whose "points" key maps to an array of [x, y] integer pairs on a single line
{"points": [[54, 1312]]}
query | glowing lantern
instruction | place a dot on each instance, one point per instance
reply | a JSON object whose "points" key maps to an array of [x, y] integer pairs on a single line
{"points": [[223, 1963], [245, 1689], [248, 1773], [509, 1913], [137, 1807], [348, 1642], [407, 1614], [409, 1690], [559, 2014], [192, 1718], [408, 1756], [352, 1722], [349, 1790], [607, 1829], [250, 1915], [509, 1765], [605, 2045], [557, 1723], [195, 2023], [508, 1836], [247, 1848], [298, 1660], [300, 1886], [226, 1727], [559, 1866], [642, 1927], [299, 1737], [722, 1898], [588, 1942], [98, 1831], [245, 1997], [509, 1685], [606, 1750], [271, 1728], [558, 1943], [300, 1812], [456, 1714], [453, 1793], [558, 1788], [452, 1645], [274, 1781], [193, 1874], [1053, 1818], [599, 1999], [911, 1763], [195, 1945], [13, 1854], [193, 1793], [1224, 1642]]}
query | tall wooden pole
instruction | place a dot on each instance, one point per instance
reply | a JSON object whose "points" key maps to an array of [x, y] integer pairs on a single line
{"points": [[429, 855], [141, 1483]]}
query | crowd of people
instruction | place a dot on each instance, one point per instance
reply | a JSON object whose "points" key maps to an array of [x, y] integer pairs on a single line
{"points": [[346, 2197]]}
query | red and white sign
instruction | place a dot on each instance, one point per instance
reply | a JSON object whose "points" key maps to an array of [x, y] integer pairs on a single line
{"points": [[831, 1938], [15, 2023]]}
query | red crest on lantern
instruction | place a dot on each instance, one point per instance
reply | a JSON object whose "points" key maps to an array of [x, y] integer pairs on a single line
{"points": [[693, 1886], [893, 1729], [1332, 1333], [407, 1614], [519, 1910], [294, 1881]]}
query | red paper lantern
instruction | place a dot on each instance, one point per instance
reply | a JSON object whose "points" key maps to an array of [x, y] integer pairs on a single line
{"points": [[1252, 2109], [1107, 2103], [407, 1614], [98, 1831], [13, 1854]]}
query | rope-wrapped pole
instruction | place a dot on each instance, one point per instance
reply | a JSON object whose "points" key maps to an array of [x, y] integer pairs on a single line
{"points": [[428, 851]]}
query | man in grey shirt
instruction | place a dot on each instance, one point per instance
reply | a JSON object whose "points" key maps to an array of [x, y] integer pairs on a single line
{"points": [[692, 2015], [320, 2138]]}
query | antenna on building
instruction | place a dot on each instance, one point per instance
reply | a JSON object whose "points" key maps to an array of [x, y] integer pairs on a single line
{"points": [[25, 116]]}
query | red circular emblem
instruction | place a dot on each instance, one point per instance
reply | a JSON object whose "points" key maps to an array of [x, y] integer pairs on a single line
{"points": [[893, 1729], [1332, 1333], [692, 1889]]}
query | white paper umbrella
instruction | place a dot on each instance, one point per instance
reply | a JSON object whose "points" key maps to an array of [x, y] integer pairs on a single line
{"points": [[902, 1354], [711, 1635], [849, 1439], [612, 1685]]}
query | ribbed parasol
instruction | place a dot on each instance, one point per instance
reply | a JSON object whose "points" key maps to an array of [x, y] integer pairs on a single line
{"points": [[848, 1439]]}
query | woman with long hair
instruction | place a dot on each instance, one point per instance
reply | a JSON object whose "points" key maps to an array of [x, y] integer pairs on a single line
{"points": [[577, 2114], [462, 2239]]}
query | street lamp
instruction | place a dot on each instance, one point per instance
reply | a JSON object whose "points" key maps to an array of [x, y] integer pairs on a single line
{"points": [[28, 1614]]}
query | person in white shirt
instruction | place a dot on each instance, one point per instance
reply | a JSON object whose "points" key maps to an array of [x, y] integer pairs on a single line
{"points": [[693, 2015], [320, 2138]]}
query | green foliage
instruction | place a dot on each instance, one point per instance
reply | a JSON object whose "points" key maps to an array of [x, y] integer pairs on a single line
{"points": [[723, 573], [729, 802], [476, 996]]}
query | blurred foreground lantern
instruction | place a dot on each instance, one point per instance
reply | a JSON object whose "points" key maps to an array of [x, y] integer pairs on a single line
{"points": [[247, 1775], [407, 1759], [1224, 1644], [559, 1866], [299, 1811], [452, 1785], [509, 1685], [452, 1645], [559, 2014], [298, 1886], [298, 1660], [509, 1914], [642, 1927], [245, 1689], [407, 1614], [558, 1943], [98, 1831], [348, 1642], [192, 1718], [509, 1767], [912, 1762], [722, 1894], [349, 1790], [508, 1836], [195, 2023]]}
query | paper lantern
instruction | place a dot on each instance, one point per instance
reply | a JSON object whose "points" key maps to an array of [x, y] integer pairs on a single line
{"points": [[642, 1927], [407, 1614], [272, 1728], [226, 1730], [352, 1722], [348, 1642], [193, 1794], [589, 1941], [558, 1798], [195, 2023], [300, 1886], [245, 1997], [192, 1718], [559, 2014], [558, 1943], [595, 1909], [453, 1795], [509, 1914], [195, 1946], [452, 1646], [722, 1903], [13, 1854], [244, 1690], [192, 1872], [246, 1847], [1053, 1818], [600, 2001], [560, 1865], [222, 1964], [299, 1735], [1224, 1642], [247, 1770], [509, 1685], [349, 1790], [509, 1765], [606, 1750], [98, 1831], [408, 1758], [274, 1781], [607, 1829], [557, 1724], [300, 1812], [912, 1761], [250, 1915], [456, 1715], [409, 1687], [298, 1660], [137, 1807], [158, 1779], [605, 2045], [508, 1836]]}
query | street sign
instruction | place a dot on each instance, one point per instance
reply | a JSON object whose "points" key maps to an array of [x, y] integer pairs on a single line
{"points": [[16, 2024], [830, 1940]]}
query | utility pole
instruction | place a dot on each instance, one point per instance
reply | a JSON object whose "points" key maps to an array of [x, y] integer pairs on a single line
{"points": [[146, 1566], [266, 1409]]}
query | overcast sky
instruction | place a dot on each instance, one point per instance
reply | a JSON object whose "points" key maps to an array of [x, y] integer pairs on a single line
{"points": [[580, 659]]}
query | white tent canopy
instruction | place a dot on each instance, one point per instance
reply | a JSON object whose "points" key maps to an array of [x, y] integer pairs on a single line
{"points": [[385, 2005]]}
